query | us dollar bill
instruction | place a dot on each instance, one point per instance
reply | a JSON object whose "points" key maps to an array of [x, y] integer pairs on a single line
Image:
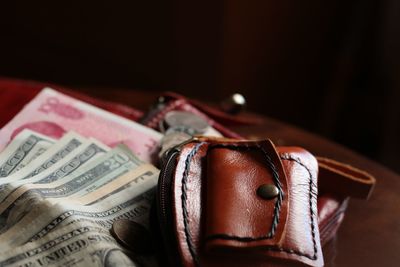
{"points": [[95, 175], [129, 200], [138, 178], [24, 148], [73, 245], [68, 143], [73, 162], [59, 150]]}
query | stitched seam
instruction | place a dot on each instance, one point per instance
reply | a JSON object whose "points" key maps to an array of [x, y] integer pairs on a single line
{"points": [[278, 203], [184, 207], [312, 194]]}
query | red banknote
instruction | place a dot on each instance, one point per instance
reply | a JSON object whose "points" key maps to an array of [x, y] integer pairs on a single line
{"points": [[53, 114]]}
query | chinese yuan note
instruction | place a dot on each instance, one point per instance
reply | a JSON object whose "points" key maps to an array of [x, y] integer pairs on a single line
{"points": [[52, 113]]}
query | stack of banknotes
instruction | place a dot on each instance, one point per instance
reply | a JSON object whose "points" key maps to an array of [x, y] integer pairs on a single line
{"points": [[68, 170]]}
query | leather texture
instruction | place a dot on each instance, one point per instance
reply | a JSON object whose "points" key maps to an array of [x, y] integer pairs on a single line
{"points": [[236, 216], [297, 238]]}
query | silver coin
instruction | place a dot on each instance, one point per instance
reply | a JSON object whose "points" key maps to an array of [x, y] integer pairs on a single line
{"points": [[172, 139], [187, 119], [181, 129]]}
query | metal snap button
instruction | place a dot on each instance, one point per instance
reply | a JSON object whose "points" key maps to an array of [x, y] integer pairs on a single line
{"points": [[267, 191]]}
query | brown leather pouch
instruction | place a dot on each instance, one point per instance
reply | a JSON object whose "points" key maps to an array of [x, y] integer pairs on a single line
{"points": [[213, 210]]}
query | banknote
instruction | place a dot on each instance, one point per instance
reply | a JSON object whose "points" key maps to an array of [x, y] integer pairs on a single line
{"points": [[54, 154], [140, 178], [96, 174], [53, 114], [132, 202], [73, 245], [25, 147], [72, 163], [68, 143], [62, 187]]}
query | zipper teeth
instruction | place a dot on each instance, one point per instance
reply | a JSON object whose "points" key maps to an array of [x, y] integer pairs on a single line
{"points": [[164, 176], [163, 198]]}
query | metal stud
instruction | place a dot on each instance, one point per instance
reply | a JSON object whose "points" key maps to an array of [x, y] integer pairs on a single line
{"points": [[267, 191], [233, 104]]}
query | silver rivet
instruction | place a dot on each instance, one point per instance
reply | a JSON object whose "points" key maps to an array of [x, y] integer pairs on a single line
{"points": [[267, 191], [234, 104]]}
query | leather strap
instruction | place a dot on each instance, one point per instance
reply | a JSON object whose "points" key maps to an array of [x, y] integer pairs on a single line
{"points": [[343, 179]]}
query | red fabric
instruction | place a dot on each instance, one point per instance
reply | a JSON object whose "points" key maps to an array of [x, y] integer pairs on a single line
{"points": [[14, 94]]}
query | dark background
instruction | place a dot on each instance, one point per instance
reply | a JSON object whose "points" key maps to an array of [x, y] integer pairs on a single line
{"points": [[331, 67]]}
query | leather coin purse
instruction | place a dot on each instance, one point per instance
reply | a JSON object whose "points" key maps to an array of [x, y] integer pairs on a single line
{"points": [[232, 202]]}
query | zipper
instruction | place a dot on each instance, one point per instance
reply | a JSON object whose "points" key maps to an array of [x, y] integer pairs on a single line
{"points": [[163, 197], [164, 201], [164, 185]]}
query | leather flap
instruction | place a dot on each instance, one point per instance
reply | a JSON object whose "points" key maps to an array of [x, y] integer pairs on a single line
{"points": [[238, 216], [216, 208]]}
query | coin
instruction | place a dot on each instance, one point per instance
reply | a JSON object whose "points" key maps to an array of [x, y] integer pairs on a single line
{"points": [[132, 236], [172, 139], [187, 119]]}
